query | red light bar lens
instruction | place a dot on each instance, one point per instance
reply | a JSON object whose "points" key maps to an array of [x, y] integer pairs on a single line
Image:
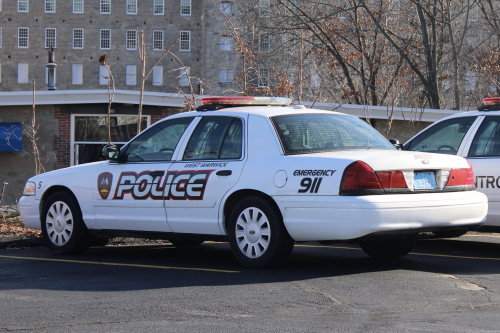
{"points": [[246, 100], [491, 101]]}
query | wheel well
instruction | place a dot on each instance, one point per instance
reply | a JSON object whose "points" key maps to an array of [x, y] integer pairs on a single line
{"points": [[53, 190], [235, 197]]}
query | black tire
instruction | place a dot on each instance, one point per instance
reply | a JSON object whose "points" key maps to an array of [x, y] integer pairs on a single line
{"points": [[389, 249], [449, 233], [185, 243], [263, 237], [63, 229]]}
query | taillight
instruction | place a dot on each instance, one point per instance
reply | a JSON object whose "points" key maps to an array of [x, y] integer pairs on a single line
{"points": [[392, 179], [359, 179], [461, 177]]}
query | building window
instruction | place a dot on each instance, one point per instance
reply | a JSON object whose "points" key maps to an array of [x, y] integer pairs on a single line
{"points": [[226, 43], [77, 6], [0, 73], [103, 74], [131, 37], [315, 79], [77, 74], [50, 6], [184, 76], [185, 42], [0, 36], [158, 7], [264, 43], [263, 78], [130, 76], [157, 75], [22, 37], [264, 8], [105, 6], [185, 7], [78, 38], [105, 42], [22, 6], [157, 39], [288, 43], [22, 73], [225, 75], [226, 7], [131, 6], [474, 13], [470, 81], [0, 11], [50, 38]]}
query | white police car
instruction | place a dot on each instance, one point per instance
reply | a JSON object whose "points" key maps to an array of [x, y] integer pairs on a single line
{"points": [[474, 135], [262, 176]]}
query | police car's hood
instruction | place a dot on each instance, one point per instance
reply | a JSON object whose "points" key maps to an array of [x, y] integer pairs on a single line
{"points": [[380, 160]]}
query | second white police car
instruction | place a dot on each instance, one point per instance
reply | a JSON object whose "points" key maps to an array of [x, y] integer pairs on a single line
{"points": [[262, 175]]}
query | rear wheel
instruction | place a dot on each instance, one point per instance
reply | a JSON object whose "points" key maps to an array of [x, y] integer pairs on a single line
{"points": [[389, 249], [449, 233], [63, 229], [185, 243], [257, 235]]}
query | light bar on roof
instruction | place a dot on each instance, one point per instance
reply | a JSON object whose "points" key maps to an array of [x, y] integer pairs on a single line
{"points": [[491, 101], [246, 100]]}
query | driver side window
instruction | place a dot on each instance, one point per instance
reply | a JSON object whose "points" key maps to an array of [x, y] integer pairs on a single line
{"points": [[157, 143], [443, 138]]}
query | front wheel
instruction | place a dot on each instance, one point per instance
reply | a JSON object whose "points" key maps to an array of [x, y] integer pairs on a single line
{"points": [[257, 235], [63, 229], [389, 249]]}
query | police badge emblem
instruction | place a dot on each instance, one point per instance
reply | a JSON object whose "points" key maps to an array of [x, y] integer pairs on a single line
{"points": [[104, 182]]}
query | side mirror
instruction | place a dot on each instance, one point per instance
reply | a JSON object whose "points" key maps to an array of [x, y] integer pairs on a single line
{"points": [[111, 153], [396, 144]]}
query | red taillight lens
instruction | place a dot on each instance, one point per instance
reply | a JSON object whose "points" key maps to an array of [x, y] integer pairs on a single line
{"points": [[392, 179], [359, 176], [461, 177]]}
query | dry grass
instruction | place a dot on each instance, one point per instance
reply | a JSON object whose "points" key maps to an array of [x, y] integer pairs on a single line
{"points": [[12, 226]]}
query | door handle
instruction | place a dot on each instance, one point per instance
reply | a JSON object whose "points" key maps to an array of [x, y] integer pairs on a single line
{"points": [[224, 173], [156, 173]]}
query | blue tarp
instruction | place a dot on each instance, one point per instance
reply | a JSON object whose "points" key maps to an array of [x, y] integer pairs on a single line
{"points": [[11, 137]]}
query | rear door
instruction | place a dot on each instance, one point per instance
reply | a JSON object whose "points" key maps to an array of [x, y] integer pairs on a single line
{"points": [[208, 166], [483, 152]]}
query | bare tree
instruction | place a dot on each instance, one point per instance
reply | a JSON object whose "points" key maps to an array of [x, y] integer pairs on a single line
{"points": [[103, 61]]}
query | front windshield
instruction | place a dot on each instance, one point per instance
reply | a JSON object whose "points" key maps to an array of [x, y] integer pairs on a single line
{"points": [[312, 133]]}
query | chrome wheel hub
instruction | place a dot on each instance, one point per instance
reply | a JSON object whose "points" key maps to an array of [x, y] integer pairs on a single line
{"points": [[253, 232], [59, 223]]}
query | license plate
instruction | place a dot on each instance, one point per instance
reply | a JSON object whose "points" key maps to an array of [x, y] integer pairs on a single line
{"points": [[424, 181]]}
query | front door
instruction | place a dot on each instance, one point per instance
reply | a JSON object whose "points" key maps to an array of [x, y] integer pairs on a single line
{"points": [[129, 195], [208, 167]]}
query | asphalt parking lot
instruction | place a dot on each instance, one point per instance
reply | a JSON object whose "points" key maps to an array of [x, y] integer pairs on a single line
{"points": [[448, 285]]}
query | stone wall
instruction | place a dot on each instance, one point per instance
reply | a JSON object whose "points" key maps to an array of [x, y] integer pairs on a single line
{"points": [[17, 167]]}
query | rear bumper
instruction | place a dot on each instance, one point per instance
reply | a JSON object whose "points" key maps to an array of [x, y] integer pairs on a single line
{"points": [[318, 218]]}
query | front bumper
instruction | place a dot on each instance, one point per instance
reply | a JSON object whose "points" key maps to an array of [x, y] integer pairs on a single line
{"points": [[29, 209], [322, 218]]}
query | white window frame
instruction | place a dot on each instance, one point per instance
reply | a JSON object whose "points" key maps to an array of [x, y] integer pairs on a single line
{"points": [[156, 40], [264, 8], [262, 41], [157, 4], [47, 38], [101, 39], [184, 76], [132, 3], [77, 2], [75, 68], [24, 2], [157, 71], [260, 77], [225, 43], [74, 39], [188, 33], [227, 7], [130, 78], [0, 67], [225, 71], [19, 66], [185, 6], [127, 39], [49, 2], [27, 37], [474, 13], [104, 3]]}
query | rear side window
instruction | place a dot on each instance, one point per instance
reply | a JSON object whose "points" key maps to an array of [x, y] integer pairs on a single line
{"points": [[312, 133], [157, 143], [443, 138], [215, 138], [487, 139]]}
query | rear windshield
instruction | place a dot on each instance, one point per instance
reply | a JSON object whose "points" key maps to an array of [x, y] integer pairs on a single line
{"points": [[312, 133]]}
